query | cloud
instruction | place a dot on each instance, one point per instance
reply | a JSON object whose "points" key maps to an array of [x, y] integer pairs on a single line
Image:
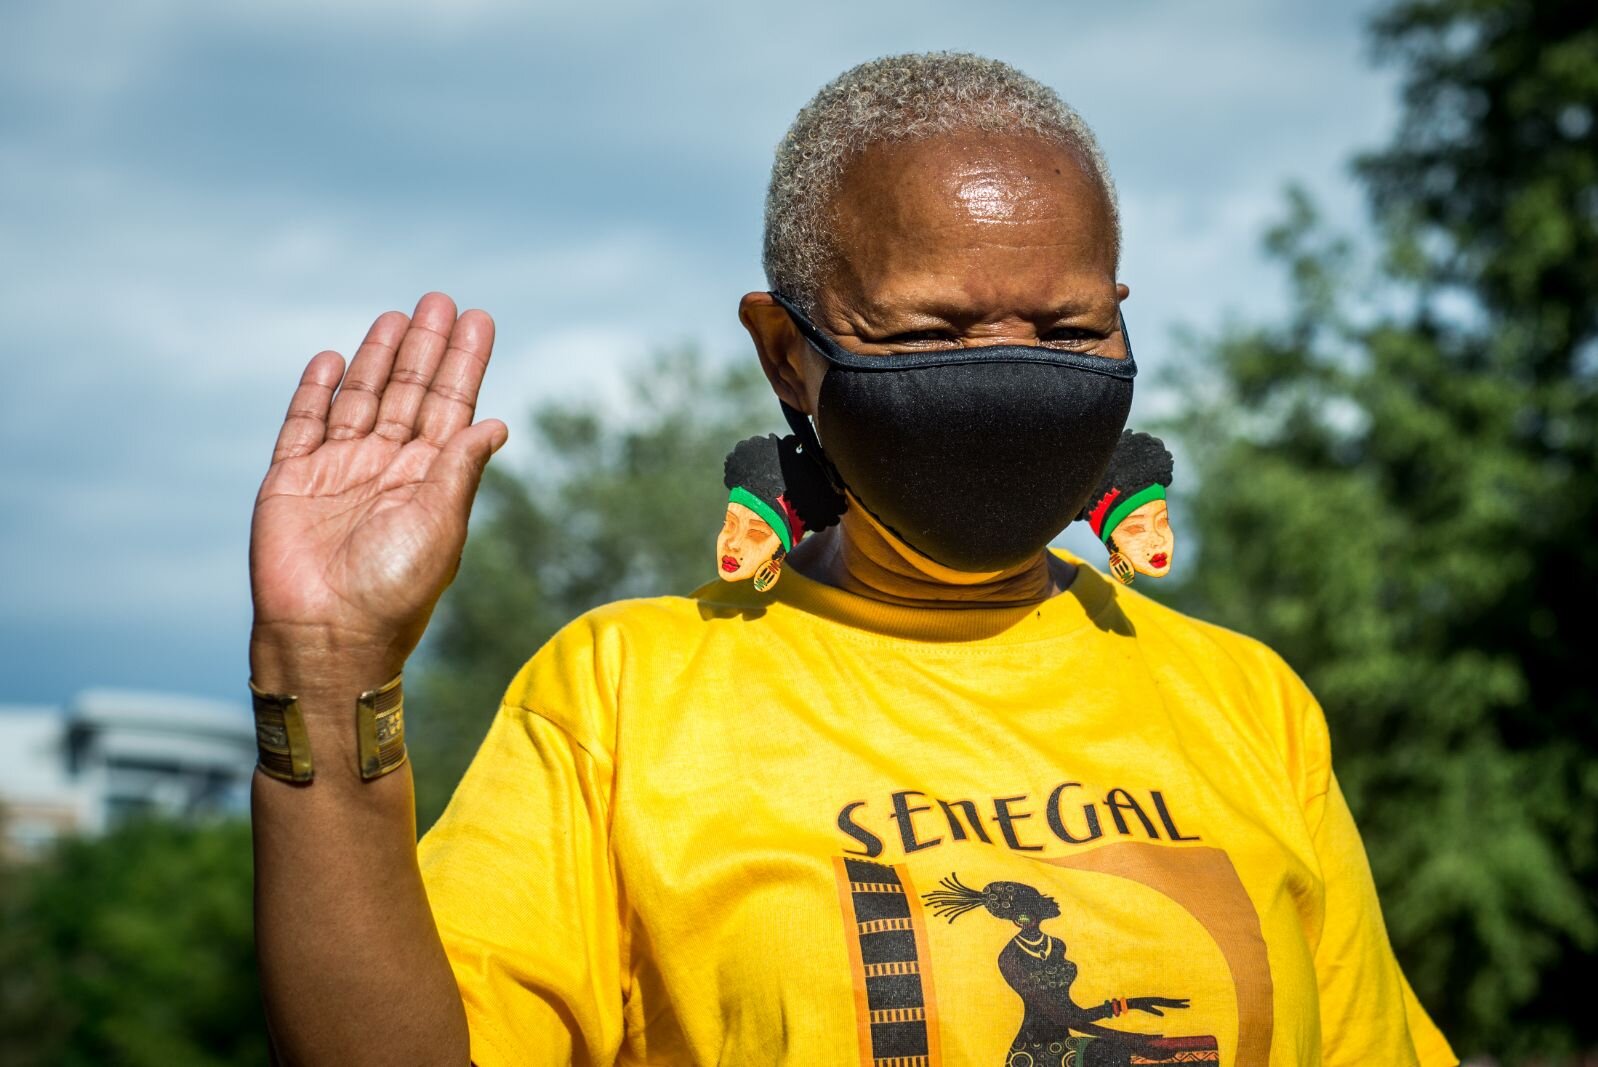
{"points": [[194, 199]]}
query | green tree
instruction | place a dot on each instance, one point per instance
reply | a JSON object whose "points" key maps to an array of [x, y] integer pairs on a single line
{"points": [[1398, 493], [134, 948], [614, 504]]}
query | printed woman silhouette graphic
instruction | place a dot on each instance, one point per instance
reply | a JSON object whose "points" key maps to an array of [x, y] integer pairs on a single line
{"points": [[1036, 967]]}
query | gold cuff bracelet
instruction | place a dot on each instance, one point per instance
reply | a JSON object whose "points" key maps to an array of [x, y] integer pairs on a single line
{"points": [[380, 729], [284, 749]]}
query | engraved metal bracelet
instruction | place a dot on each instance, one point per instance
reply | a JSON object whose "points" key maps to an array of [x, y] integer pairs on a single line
{"points": [[380, 729], [282, 747]]}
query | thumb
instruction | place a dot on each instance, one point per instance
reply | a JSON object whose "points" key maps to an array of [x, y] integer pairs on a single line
{"points": [[453, 476]]}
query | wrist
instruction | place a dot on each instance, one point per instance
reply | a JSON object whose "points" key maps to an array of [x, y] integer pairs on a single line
{"points": [[298, 738], [319, 665]]}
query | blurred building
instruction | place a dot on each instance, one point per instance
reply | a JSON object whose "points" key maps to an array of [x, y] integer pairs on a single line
{"points": [[110, 754]]}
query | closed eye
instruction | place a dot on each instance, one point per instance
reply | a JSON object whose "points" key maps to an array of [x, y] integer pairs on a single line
{"points": [[1064, 336], [1060, 338], [1074, 338], [912, 337]]}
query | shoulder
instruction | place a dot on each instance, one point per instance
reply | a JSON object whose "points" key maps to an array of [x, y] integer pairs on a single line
{"points": [[621, 622], [605, 637], [1173, 640], [574, 678], [1203, 665]]}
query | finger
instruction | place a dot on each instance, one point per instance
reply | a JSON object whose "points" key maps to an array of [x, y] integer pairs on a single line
{"points": [[305, 425], [355, 406], [414, 364], [452, 394], [453, 476]]}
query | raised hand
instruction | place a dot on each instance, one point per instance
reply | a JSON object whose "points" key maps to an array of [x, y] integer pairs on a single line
{"points": [[1153, 1005], [361, 518]]}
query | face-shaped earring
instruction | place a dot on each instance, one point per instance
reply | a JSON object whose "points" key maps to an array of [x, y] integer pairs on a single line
{"points": [[1143, 539], [748, 540], [769, 481], [1128, 511]]}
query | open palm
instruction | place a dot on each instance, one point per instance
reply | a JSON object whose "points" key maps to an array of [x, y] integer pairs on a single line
{"points": [[361, 518]]}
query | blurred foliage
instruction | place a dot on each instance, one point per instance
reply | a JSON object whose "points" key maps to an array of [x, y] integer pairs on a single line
{"points": [[1410, 503], [133, 949], [615, 503]]}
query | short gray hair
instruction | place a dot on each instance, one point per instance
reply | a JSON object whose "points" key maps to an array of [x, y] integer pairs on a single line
{"points": [[900, 98]]}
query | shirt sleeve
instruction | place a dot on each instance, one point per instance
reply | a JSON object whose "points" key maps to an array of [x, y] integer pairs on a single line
{"points": [[519, 876], [1369, 1014]]}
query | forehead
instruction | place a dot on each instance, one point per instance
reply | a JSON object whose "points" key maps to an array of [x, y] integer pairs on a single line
{"points": [[970, 217]]}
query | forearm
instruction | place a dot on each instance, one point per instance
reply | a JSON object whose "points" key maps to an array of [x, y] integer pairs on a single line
{"points": [[352, 968]]}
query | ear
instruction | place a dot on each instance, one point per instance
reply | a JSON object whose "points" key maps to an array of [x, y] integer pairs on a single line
{"points": [[783, 352]]}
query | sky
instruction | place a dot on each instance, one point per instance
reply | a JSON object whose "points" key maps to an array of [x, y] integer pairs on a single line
{"points": [[196, 198]]}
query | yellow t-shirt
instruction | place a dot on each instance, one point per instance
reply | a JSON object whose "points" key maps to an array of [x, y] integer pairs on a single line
{"points": [[806, 827]]}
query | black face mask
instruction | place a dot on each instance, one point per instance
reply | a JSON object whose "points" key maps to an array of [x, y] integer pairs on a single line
{"points": [[974, 457]]}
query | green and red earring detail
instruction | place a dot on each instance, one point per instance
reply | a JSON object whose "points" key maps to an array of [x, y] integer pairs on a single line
{"points": [[775, 495], [1128, 510]]}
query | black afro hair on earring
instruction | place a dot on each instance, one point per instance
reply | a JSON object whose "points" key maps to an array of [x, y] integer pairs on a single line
{"points": [[771, 468], [1140, 460]]}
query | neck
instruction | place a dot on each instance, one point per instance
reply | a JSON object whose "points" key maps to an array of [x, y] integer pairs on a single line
{"points": [[858, 556]]}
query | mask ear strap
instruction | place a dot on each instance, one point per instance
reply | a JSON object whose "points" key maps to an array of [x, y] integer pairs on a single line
{"points": [[798, 421], [809, 444]]}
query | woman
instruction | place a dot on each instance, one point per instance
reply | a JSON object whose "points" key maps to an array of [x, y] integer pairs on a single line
{"points": [[1035, 965], [669, 847]]}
